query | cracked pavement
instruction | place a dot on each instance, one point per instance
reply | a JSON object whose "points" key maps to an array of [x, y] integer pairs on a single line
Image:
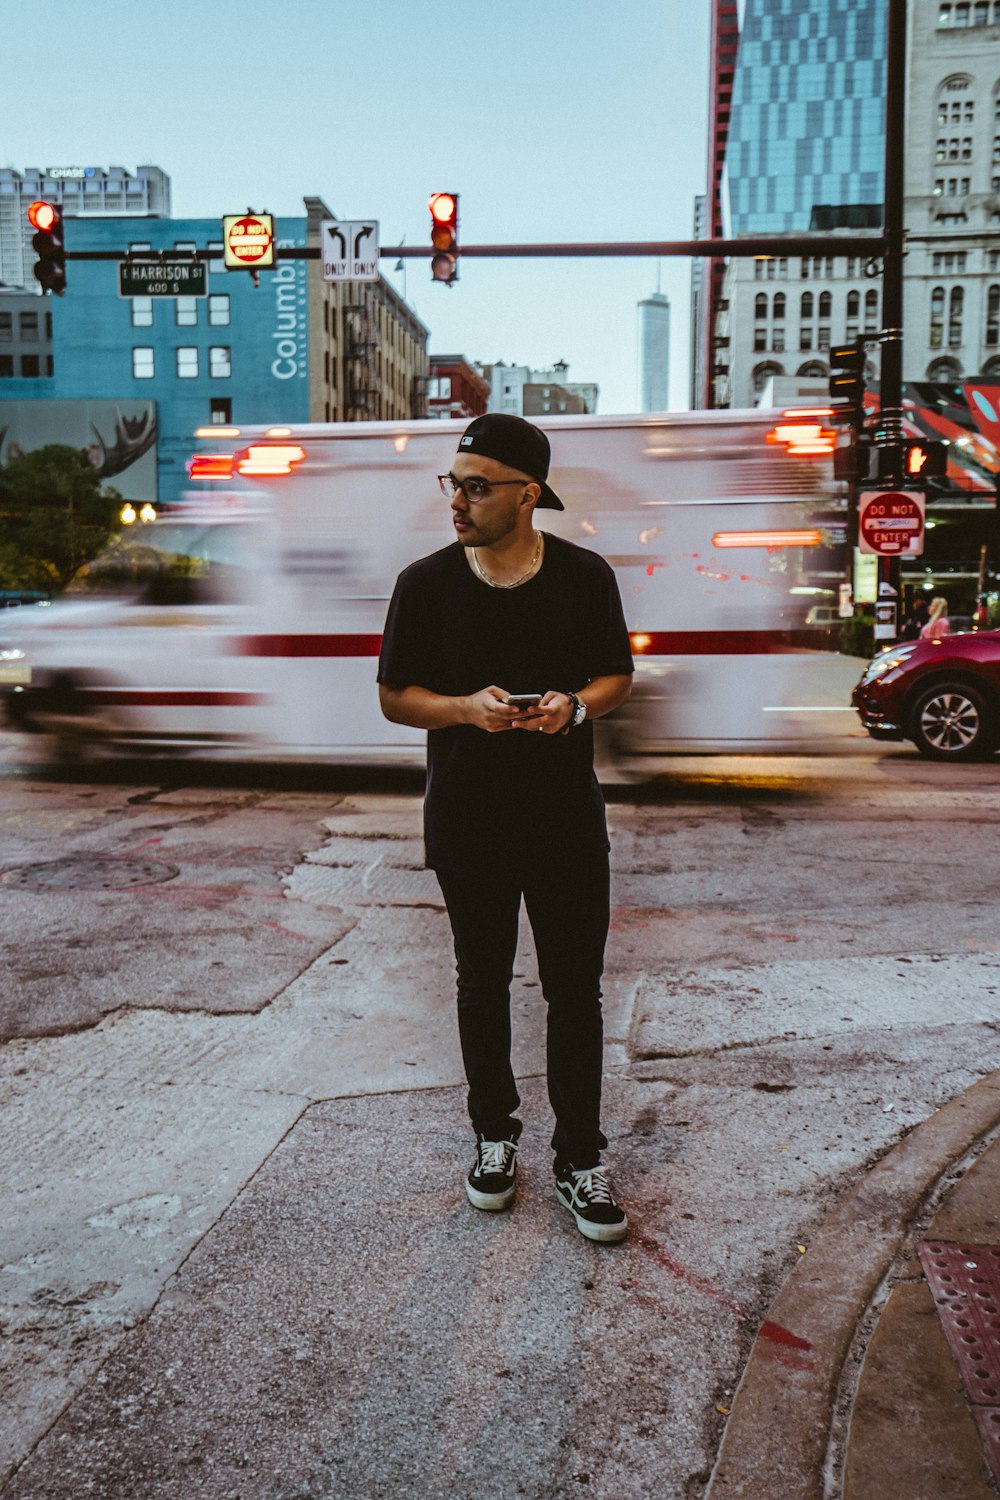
{"points": [[236, 1258]]}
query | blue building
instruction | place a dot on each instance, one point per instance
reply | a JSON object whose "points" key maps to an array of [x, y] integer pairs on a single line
{"points": [[238, 355], [293, 349], [807, 122]]}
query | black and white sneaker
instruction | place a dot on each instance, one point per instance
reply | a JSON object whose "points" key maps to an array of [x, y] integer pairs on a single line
{"points": [[490, 1184], [589, 1198]]}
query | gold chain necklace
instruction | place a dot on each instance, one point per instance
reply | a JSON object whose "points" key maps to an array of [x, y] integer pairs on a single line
{"points": [[515, 581]]}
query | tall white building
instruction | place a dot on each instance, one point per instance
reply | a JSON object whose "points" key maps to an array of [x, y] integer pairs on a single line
{"points": [[654, 352], [81, 192], [952, 286]]}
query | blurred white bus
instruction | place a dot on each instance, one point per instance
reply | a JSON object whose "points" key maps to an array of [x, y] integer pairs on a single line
{"points": [[246, 620]]}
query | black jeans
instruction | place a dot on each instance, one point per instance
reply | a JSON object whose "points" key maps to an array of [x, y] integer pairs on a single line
{"points": [[568, 908]]}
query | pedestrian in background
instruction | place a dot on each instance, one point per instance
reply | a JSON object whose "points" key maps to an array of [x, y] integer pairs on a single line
{"points": [[937, 620], [513, 809], [916, 620]]}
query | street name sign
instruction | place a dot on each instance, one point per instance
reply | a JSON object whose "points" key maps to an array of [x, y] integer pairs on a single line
{"points": [[891, 523], [248, 242], [349, 252], [166, 278]]}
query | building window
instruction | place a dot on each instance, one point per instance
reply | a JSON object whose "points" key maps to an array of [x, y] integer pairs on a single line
{"points": [[825, 304], [778, 307], [871, 305], [778, 340], [222, 411], [759, 339], [955, 308], [851, 332], [185, 311], [823, 341], [805, 338], [937, 318], [6, 366], [944, 371], [187, 362], [806, 305], [142, 312], [220, 364], [29, 327], [993, 317], [31, 365], [6, 327], [763, 373], [218, 309], [760, 305], [143, 364], [993, 260], [853, 304]]}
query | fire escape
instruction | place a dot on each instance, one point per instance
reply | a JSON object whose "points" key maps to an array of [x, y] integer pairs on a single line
{"points": [[362, 345]]}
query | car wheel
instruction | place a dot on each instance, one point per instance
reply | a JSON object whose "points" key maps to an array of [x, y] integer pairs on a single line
{"points": [[953, 721]]}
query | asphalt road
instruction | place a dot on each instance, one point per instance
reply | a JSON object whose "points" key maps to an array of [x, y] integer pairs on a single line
{"points": [[235, 1254]]}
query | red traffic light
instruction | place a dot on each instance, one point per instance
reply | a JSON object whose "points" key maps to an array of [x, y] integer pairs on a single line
{"points": [[444, 237], [444, 208], [42, 215], [47, 242]]}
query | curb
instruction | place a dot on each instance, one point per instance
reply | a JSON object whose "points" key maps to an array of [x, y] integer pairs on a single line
{"points": [[776, 1438]]}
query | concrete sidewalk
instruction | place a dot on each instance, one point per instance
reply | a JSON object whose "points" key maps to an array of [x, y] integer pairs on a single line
{"points": [[353, 1328], [851, 1389]]}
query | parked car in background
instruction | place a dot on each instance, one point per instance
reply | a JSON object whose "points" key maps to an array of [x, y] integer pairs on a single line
{"points": [[943, 694]]}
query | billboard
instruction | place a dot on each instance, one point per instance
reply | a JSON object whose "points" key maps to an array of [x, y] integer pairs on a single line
{"points": [[117, 437]]}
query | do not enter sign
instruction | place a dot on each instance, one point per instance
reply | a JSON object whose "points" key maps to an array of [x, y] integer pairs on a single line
{"points": [[891, 523], [248, 241]]}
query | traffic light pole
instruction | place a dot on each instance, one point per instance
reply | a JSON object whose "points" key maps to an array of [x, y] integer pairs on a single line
{"points": [[889, 432]]}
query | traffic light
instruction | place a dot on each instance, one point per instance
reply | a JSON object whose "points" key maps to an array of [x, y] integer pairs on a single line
{"points": [[47, 243], [925, 459], [444, 237], [847, 379]]}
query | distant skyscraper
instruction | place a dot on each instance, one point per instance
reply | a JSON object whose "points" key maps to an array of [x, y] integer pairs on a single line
{"points": [[654, 351]]}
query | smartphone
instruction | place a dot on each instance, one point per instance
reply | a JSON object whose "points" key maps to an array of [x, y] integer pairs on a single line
{"points": [[524, 700]]}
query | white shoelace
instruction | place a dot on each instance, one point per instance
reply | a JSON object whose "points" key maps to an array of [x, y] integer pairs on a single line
{"points": [[496, 1156], [592, 1185]]}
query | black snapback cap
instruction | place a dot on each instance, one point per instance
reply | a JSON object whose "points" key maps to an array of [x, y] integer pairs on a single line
{"points": [[516, 443]]}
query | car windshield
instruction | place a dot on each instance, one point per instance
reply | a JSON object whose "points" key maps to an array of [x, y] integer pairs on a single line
{"points": [[166, 563]]}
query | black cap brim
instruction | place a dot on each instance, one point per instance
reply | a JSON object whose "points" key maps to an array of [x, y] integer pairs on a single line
{"points": [[548, 499]]}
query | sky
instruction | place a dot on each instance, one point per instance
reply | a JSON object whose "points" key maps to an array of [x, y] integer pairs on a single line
{"points": [[553, 120]]}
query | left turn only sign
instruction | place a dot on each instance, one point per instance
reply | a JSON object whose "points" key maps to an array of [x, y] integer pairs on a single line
{"points": [[248, 242]]}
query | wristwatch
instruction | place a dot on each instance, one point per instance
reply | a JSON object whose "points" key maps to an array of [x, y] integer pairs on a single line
{"points": [[579, 712]]}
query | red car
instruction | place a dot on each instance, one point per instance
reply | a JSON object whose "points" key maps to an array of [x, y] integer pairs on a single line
{"points": [[944, 695]]}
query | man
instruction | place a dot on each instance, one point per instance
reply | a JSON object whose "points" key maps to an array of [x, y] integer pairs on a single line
{"points": [[513, 809]]}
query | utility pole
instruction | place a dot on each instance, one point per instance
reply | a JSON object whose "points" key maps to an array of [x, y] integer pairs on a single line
{"points": [[889, 429]]}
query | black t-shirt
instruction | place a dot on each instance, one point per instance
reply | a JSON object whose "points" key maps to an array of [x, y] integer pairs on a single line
{"points": [[491, 795]]}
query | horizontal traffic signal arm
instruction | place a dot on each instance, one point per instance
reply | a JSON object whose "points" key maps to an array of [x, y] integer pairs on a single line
{"points": [[748, 248]]}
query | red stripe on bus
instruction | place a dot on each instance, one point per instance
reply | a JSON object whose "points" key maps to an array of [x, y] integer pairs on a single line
{"points": [[644, 643], [307, 645], [723, 642], [174, 698]]}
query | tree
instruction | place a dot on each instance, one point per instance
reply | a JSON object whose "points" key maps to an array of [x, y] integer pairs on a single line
{"points": [[55, 515]]}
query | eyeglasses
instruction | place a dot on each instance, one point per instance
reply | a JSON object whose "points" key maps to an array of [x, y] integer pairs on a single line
{"points": [[474, 490]]}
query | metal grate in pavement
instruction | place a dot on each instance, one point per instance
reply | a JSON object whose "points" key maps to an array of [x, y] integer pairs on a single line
{"points": [[965, 1283]]}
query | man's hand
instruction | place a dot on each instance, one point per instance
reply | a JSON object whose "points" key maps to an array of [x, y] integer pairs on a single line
{"points": [[489, 710], [550, 717]]}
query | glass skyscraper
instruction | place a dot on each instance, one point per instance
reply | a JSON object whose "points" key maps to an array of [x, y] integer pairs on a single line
{"points": [[806, 127]]}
